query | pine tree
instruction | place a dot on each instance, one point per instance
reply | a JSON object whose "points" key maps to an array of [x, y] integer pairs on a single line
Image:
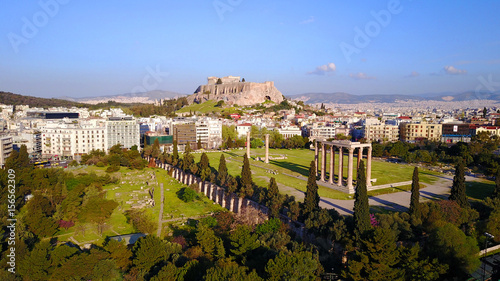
{"points": [[458, 188], [415, 195], [246, 188], [496, 192], [311, 201], [361, 207], [199, 143], [243, 80], [222, 173], [187, 159]]}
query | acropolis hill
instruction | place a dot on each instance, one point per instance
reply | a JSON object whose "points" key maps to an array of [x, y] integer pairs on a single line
{"points": [[232, 91]]}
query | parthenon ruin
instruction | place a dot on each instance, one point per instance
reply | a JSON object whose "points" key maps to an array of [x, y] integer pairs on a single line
{"points": [[350, 146]]}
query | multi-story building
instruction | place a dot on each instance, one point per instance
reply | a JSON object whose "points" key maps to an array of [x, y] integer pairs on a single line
{"points": [[209, 131], [124, 131], [5, 149], [242, 129], [32, 139], [290, 131], [319, 132], [184, 133], [412, 132], [63, 140], [492, 130], [456, 132], [381, 133]]}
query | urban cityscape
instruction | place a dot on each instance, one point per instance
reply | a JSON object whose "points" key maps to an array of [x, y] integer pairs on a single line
{"points": [[231, 140]]}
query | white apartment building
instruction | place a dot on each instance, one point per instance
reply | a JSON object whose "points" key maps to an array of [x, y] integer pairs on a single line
{"points": [[32, 139], [5, 149], [210, 132], [122, 130], [381, 133], [320, 132], [242, 129], [65, 140], [290, 131]]}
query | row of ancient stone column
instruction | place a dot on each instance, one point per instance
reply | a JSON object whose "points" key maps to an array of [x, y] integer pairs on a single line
{"points": [[266, 160], [332, 148]]}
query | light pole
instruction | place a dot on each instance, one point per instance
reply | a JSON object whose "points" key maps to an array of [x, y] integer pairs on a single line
{"points": [[485, 252]]}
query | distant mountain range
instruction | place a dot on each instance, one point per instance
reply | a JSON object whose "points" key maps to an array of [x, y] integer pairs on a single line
{"points": [[345, 98], [146, 97]]}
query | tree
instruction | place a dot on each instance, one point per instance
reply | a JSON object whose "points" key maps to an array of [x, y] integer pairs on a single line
{"points": [[156, 149], [219, 81], [376, 259], [243, 241], [415, 195], [273, 199], [311, 200], [188, 159], [496, 192], [422, 269], [246, 183], [485, 111], [452, 247], [199, 143], [204, 167], [212, 245], [222, 173], [294, 265], [120, 253], [150, 250], [243, 80], [361, 207], [175, 153], [97, 210], [458, 188], [227, 270]]}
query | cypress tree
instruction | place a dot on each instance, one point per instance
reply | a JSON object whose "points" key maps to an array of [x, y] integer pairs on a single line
{"points": [[246, 188], [415, 194], [222, 174], [175, 151], [199, 143], [496, 192], [204, 170], [273, 199], [458, 188], [188, 159], [361, 207], [311, 201]]}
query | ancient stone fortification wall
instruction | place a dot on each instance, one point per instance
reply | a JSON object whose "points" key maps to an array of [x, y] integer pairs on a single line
{"points": [[240, 93]]}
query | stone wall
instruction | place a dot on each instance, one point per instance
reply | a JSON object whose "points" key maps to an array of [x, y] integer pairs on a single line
{"points": [[231, 201]]}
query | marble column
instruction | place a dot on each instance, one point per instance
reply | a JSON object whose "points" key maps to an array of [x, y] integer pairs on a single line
{"points": [[316, 162], [332, 164], [267, 149], [369, 167], [350, 167], [323, 161], [248, 145], [341, 160], [360, 156]]}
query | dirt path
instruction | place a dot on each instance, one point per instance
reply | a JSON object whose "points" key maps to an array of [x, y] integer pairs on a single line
{"points": [[160, 216]]}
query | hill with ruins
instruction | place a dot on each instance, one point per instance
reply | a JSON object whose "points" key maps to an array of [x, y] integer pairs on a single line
{"points": [[232, 90]]}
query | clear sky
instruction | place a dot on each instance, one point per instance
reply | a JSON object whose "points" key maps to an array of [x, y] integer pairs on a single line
{"points": [[53, 48]]}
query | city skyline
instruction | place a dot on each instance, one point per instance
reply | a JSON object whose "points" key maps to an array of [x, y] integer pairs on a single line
{"points": [[65, 48]]}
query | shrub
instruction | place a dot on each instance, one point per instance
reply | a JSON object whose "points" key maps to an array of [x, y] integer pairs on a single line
{"points": [[187, 194], [112, 169], [73, 163], [100, 164]]}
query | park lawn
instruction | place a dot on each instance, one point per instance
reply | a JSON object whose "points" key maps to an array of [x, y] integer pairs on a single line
{"points": [[175, 207], [298, 162], [479, 190], [206, 107]]}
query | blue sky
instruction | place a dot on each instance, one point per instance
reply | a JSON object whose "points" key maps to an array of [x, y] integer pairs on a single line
{"points": [[53, 48]]}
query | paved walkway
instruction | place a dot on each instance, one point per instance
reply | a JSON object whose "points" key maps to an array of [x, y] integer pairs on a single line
{"points": [[398, 201], [160, 216]]}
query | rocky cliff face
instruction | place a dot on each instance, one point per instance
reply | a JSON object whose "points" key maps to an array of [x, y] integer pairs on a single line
{"points": [[240, 93]]}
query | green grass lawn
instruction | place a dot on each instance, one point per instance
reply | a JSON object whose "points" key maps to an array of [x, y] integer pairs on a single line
{"points": [[298, 162], [206, 107], [479, 190], [130, 188]]}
